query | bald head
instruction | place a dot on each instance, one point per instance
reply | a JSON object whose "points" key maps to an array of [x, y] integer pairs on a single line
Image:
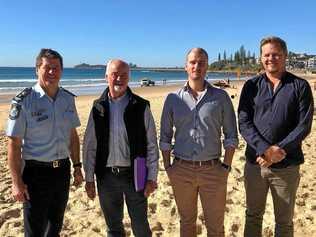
{"points": [[115, 63], [117, 76]]}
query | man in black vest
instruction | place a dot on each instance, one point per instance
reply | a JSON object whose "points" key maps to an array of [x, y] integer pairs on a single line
{"points": [[120, 129]]}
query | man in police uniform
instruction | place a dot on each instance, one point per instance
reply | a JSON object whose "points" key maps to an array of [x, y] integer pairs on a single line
{"points": [[42, 136]]}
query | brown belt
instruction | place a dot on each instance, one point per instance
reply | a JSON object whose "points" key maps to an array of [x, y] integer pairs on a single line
{"points": [[198, 163]]}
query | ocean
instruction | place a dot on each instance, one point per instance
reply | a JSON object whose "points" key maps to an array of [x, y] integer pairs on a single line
{"points": [[91, 81]]}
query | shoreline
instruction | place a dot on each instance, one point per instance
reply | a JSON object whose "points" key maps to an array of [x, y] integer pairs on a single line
{"points": [[162, 211], [6, 97]]}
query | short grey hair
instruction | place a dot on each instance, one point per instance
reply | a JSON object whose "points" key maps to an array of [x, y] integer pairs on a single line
{"points": [[107, 70], [108, 67]]}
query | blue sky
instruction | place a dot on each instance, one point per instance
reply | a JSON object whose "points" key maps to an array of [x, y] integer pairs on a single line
{"points": [[148, 33]]}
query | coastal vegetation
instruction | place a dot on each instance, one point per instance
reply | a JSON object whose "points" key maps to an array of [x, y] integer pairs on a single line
{"points": [[241, 60]]}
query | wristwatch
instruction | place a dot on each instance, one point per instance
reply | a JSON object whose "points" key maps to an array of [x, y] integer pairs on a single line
{"points": [[227, 167], [79, 164]]}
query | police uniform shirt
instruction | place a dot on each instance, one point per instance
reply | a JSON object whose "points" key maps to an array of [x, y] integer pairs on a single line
{"points": [[43, 124]]}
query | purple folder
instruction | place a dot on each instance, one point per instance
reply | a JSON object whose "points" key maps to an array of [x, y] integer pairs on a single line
{"points": [[140, 173]]}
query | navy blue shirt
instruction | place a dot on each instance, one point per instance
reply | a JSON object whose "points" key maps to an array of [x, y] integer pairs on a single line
{"points": [[282, 117]]}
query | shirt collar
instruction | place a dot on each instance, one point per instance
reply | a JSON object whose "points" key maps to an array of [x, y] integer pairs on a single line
{"points": [[282, 79], [39, 89], [187, 87], [119, 99]]}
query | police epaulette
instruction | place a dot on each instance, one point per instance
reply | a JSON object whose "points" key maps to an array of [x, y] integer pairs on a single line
{"points": [[68, 92], [19, 97]]}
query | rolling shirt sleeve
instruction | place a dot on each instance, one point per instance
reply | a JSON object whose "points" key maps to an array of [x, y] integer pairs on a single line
{"points": [[152, 147], [229, 124], [166, 127]]}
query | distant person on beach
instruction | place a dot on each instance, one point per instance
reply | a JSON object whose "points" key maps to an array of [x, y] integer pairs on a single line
{"points": [[195, 116], [42, 137], [275, 115], [120, 129]]}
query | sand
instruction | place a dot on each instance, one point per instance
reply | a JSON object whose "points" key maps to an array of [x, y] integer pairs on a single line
{"points": [[83, 217]]}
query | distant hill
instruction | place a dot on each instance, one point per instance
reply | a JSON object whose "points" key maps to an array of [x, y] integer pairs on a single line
{"points": [[88, 66], [132, 66]]}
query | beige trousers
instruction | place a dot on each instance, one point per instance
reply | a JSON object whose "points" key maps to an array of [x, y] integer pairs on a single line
{"points": [[210, 182]]}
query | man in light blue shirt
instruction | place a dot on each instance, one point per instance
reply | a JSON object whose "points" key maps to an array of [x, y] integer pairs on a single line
{"points": [[196, 116], [42, 137]]}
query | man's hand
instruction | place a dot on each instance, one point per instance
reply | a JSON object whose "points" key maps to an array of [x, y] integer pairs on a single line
{"points": [[19, 192], [78, 177], [150, 188], [90, 189], [167, 167], [274, 154], [263, 162]]}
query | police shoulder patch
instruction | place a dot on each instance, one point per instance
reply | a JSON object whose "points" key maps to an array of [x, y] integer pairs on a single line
{"points": [[16, 103], [14, 111]]}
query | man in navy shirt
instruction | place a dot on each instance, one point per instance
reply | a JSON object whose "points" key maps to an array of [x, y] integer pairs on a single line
{"points": [[275, 115]]}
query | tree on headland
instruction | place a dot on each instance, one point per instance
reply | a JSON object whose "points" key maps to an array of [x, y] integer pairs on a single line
{"points": [[132, 65], [242, 53], [241, 59]]}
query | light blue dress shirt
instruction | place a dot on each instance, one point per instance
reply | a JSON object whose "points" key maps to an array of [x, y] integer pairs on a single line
{"points": [[44, 124], [197, 125]]}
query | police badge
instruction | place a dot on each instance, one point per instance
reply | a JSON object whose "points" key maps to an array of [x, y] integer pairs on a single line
{"points": [[14, 111]]}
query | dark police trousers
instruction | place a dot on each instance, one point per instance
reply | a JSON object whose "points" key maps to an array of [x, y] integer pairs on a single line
{"points": [[113, 189], [49, 190]]}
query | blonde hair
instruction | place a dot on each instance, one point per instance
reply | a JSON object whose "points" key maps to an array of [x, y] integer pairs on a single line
{"points": [[273, 40]]}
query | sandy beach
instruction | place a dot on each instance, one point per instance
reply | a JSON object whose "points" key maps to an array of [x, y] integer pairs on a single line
{"points": [[83, 217]]}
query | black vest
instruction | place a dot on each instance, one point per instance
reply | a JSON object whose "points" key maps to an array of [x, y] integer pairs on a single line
{"points": [[134, 123]]}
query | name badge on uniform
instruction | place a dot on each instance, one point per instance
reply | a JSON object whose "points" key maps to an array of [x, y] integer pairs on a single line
{"points": [[14, 111], [42, 118], [38, 113], [69, 111]]}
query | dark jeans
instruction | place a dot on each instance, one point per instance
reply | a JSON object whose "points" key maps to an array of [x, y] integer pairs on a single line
{"points": [[49, 190], [112, 190]]}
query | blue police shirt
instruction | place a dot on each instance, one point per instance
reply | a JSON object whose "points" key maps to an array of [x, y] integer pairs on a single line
{"points": [[43, 124]]}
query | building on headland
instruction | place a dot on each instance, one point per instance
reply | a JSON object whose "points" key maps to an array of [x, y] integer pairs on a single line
{"points": [[301, 61], [311, 64]]}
